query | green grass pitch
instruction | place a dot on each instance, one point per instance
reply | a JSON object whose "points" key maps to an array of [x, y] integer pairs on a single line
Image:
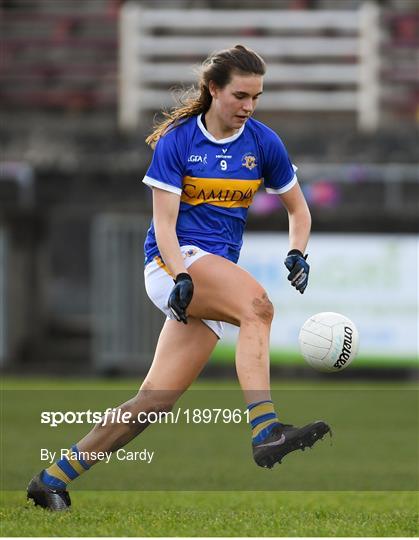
{"points": [[217, 514], [331, 510]]}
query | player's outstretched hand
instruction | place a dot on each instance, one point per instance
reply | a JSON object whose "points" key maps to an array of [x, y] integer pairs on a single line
{"points": [[181, 297], [299, 269]]}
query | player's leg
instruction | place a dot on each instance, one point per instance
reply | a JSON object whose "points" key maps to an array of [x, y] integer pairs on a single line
{"points": [[224, 291], [181, 353]]}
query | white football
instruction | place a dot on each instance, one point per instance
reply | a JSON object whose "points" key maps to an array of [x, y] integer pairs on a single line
{"points": [[328, 341]]}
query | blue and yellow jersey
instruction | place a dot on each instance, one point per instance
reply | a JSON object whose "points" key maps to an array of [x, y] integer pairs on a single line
{"points": [[216, 181]]}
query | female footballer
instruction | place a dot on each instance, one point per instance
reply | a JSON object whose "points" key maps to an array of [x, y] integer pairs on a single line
{"points": [[210, 157]]}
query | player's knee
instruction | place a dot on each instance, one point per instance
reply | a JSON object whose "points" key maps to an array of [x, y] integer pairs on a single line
{"points": [[259, 309]]}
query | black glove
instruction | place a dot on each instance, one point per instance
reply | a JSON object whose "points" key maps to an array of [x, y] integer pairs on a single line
{"points": [[181, 296], [299, 269]]}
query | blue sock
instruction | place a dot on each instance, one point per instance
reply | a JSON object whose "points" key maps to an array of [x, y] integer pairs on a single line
{"points": [[68, 468], [263, 419]]}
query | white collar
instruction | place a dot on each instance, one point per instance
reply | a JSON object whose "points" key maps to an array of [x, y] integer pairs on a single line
{"points": [[210, 137]]}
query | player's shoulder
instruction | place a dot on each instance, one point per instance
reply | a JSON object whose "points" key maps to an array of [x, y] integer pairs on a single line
{"points": [[179, 130], [262, 131], [269, 142], [177, 138]]}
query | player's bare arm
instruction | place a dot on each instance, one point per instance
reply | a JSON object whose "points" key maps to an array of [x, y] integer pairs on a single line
{"points": [[165, 213], [299, 231], [299, 218]]}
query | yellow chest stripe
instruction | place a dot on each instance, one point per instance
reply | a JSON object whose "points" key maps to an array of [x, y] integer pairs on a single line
{"points": [[219, 191]]}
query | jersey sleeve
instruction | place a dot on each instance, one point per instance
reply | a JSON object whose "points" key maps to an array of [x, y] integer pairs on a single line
{"points": [[278, 171], [166, 168]]}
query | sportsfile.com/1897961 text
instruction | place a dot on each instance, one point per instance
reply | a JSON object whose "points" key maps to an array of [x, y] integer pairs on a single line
{"points": [[118, 416]]}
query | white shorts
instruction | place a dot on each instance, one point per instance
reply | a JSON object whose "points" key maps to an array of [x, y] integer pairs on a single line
{"points": [[159, 284]]}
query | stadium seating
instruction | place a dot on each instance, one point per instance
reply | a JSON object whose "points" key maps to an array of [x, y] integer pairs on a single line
{"points": [[56, 57], [318, 60]]}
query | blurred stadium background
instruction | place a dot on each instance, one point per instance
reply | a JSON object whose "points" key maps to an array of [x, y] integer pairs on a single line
{"points": [[80, 82]]}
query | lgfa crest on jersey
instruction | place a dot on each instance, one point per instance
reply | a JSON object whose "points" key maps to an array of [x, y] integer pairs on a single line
{"points": [[249, 161]]}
